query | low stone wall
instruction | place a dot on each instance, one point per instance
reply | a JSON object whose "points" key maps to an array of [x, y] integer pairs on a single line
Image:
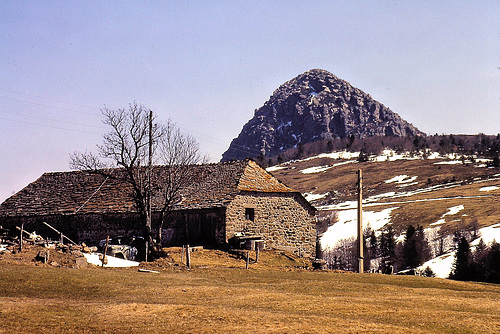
{"points": [[281, 218]]}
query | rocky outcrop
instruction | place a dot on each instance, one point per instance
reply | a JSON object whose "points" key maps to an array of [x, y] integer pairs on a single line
{"points": [[313, 106]]}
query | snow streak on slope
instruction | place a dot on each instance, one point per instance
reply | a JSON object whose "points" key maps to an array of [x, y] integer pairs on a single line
{"points": [[451, 211], [316, 169], [489, 188]]}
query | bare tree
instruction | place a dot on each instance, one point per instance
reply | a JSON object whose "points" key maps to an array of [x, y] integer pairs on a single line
{"points": [[323, 222], [130, 151]]}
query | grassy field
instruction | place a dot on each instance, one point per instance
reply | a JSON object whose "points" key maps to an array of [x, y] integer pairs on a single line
{"points": [[210, 299]]}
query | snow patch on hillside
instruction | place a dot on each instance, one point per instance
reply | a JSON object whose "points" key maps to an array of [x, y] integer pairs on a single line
{"points": [[386, 155], [454, 210], [310, 197], [346, 227], [451, 162], [442, 265], [491, 188], [488, 234], [316, 169], [451, 211], [275, 168], [335, 156]]}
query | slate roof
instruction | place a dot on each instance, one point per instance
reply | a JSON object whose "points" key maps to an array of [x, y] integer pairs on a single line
{"points": [[85, 192]]}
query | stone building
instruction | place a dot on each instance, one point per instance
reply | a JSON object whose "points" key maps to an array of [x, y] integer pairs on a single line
{"points": [[237, 198]]}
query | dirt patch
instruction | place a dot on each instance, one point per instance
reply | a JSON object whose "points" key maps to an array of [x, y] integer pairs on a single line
{"points": [[38, 255], [172, 258]]}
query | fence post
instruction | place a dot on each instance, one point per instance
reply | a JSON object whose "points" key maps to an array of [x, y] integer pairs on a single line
{"points": [[188, 257]]}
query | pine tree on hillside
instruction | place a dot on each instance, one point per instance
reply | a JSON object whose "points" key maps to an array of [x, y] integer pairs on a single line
{"points": [[388, 249], [410, 254], [493, 263], [480, 261], [461, 270]]}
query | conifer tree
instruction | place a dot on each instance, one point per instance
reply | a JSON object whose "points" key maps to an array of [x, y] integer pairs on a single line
{"points": [[462, 266]]}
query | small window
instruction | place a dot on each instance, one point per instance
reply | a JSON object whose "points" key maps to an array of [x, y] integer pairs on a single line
{"points": [[250, 214]]}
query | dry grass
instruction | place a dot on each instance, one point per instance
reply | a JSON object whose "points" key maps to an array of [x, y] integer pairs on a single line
{"points": [[221, 300]]}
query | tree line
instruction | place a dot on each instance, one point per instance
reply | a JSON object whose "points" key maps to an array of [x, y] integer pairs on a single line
{"points": [[385, 254], [480, 145], [482, 264]]}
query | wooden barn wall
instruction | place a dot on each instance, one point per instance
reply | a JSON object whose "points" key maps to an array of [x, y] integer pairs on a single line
{"points": [[196, 227]]}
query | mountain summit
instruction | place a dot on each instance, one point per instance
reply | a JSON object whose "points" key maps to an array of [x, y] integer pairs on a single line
{"points": [[313, 106]]}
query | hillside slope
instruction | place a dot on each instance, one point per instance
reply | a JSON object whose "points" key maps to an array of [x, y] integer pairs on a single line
{"points": [[441, 194]]}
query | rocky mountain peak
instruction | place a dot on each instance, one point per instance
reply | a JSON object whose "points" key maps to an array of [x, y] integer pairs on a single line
{"points": [[313, 106]]}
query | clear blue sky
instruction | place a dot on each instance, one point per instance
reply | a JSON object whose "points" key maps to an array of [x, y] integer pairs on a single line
{"points": [[208, 65]]}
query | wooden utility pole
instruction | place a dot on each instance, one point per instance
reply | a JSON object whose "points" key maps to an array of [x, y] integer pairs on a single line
{"points": [[360, 221]]}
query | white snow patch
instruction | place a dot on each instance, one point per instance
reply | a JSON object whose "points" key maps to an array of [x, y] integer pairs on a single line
{"points": [[402, 179], [397, 179], [3, 248], [316, 169], [441, 266], [335, 156], [375, 198], [454, 210], [451, 162], [275, 168], [346, 226], [391, 155], [313, 197], [451, 211], [344, 163], [491, 188], [112, 261], [441, 221], [433, 156], [488, 234]]}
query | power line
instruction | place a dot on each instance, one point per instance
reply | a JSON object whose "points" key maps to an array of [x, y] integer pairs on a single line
{"points": [[211, 139], [48, 106], [46, 98], [48, 126], [50, 119]]}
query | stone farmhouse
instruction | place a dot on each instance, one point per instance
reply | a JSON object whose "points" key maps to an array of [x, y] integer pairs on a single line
{"points": [[228, 199]]}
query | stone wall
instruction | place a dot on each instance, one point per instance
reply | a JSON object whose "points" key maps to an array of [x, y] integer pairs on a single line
{"points": [[282, 219]]}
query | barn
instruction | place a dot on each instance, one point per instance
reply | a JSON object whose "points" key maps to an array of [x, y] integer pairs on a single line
{"points": [[226, 200]]}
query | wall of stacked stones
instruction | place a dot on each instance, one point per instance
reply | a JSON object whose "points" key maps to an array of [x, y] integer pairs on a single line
{"points": [[279, 217]]}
